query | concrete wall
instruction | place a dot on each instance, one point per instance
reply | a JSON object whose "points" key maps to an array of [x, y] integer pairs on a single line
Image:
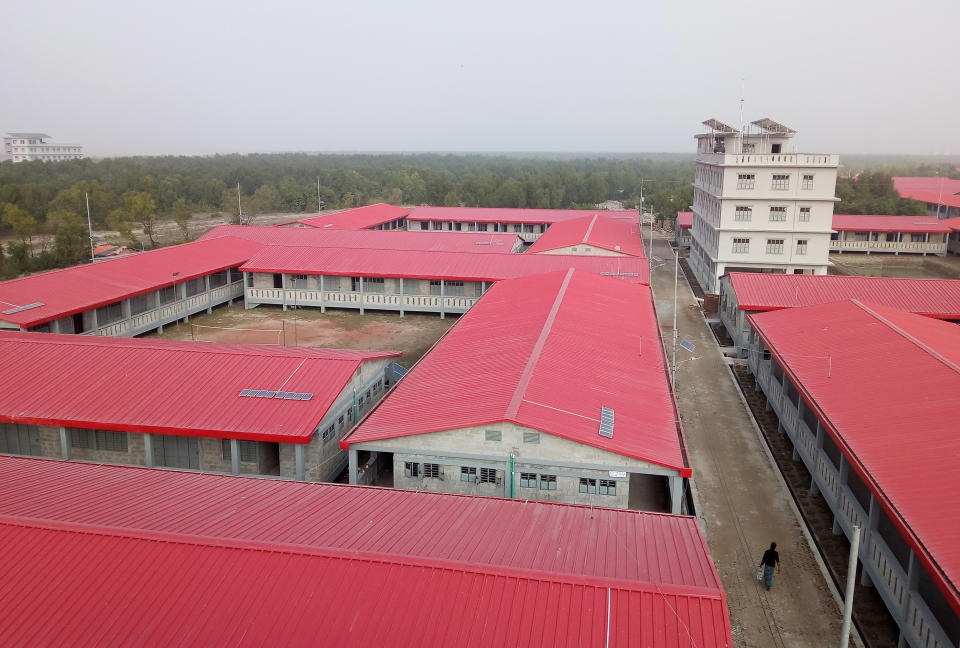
{"points": [[583, 250]]}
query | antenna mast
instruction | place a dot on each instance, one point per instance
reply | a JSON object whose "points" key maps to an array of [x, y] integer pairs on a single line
{"points": [[89, 226]]}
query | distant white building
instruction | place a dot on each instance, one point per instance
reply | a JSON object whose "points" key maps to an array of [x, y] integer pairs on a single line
{"points": [[758, 207], [21, 147]]}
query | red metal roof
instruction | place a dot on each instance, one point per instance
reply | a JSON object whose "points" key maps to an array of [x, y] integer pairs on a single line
{"points": [[79, 288], [685, 219], [508, 214], [457, 266], [881, 223], [379, 239], [952, 223], [183, 388], [359, 218], [755, 291], [545, 352], [943, 191], [887, 384], [120, 555], [598, 230]]}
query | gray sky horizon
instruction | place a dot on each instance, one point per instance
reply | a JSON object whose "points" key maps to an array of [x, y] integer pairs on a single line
{"points": [[198, 78]]}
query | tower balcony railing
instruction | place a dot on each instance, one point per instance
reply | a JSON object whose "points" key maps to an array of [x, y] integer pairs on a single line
{"points": [[771, 159]]}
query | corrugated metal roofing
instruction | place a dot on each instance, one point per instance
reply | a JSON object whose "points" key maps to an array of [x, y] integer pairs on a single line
{"points": [[598, 230], [79, 288], [190, 389], [952, 223], [508, 214], [545, 352], [685, 219], [887, 383], [938, 298], [378, 239], [943, 191], [239, 561], [413, 264], [881, 223], [359, 218]]}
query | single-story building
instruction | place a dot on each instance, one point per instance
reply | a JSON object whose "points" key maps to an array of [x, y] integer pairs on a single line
{"points": [[681, 230], [403, 280], [745, 293], [953, 240], [131, 294], [131, 556], [380, 216], [530, 224], [596, 235], [554, 388], [941, 195], [248, 409], [866, 234], [868, 397]]}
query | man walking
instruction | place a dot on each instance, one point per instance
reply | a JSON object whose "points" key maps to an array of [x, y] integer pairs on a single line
{"points": [[769, 562]]}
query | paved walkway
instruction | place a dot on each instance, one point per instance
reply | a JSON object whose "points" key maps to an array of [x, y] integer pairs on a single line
{"points": [[744, 504]]}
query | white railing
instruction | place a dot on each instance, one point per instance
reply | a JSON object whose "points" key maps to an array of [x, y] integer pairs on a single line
{"points": [[890, 572], [808, 442], [377, 299], [265, 294], [829, 477], [341, 297], [771, 159], [852, 511], [789, 414], [924, 626], [357, 299], [889, 246]]}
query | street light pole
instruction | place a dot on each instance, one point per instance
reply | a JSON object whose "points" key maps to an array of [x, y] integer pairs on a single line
{"points": [[851, 581], [676, 282]]}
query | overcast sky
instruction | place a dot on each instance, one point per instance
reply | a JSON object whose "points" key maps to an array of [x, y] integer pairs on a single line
{"points": [[131, 77]]}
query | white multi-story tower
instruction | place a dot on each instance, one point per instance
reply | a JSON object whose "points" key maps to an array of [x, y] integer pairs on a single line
{"points": [[758, 207], [21, 147]]}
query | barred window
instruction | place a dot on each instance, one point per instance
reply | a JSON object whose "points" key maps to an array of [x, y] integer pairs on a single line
{"points": [[81, 438], [741, 245], [807, 182], [774, 246], [468, 474], [248, 450], [453, 289], [481, 227], [531, 437], [778, 214], [746, 180], [431, 470], [548, 482], [608, 487], [743, 213], [109, 313], [528, 480], [918, 238], [588, 485], [488, 475], [437, 225], [435, 286], [801, 246], [492, 435], [328, 433], [373, 284], [804, 214], [411, 469], [111, 440], [528, 228], [780, 181]]}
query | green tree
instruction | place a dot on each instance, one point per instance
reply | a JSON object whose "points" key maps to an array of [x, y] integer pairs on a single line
{"points": [[266, 199], [347, 201], [70, 237], [122, 221], [23, 224], [451, 199], [142, 210], [181, 215]]}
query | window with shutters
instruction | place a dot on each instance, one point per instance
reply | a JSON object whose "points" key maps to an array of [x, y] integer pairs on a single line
{"points": [[801, 246], [528, 480], [746, 180], [778, 214], [743, 213], [774, 246], [81, 438], [488, 475], [807, 182], [548, 482], [248, 450], [468, 474], [411, 469], [435, 286], [492, 435], [804, 214], [531, 437], [588, 485], [373, 284], [608, 487], [431, 470], [111, 440], [453, 289], [741, 245], [781, 181]]}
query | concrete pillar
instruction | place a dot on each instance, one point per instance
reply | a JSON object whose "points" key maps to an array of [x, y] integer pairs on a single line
{"points": [[796, 455], [676, 494], [148, 449], [401, 296], [65, 444], [125, 310], [94, 326], [443, 286], [300, 470], [235, 456], [55, 326], [836, 526], [183, 301], [206, 282], [283, 290], [814, 489], [361, 295], [323, 304], [353, 465]]}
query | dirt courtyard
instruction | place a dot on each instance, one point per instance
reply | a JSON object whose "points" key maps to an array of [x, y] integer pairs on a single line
{"points": [[412, 335], [888, 265]]}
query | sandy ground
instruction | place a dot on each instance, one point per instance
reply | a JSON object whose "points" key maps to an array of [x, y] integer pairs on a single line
{"points": [[744, 503], [412, 335], [904, 265]]}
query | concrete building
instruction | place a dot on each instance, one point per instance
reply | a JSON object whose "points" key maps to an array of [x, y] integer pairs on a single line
{"points": [[529, 224], [596, 235], [953, 240], [941, 195], [757, 206], [897, 235], [24, 147], [742, 294], [128, 295], [869, 403], [183, 559], [532, 395], [380, 216], [244, 409], [681, 230], [403, 280]]}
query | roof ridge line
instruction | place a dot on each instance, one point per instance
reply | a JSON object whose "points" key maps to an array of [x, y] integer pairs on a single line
{"points": [[930, 351], [337, 553], [586, 235], [527, 374]]}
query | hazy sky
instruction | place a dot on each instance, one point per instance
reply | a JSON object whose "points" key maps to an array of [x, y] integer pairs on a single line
{"points": [[132, 77]]}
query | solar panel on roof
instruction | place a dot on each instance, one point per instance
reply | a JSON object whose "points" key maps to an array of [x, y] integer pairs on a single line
{"points": [[689, 346], [293, 395], [606, 422], [18, 309], [257, 393]]}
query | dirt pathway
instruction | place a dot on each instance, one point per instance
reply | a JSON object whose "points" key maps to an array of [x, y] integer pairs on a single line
{"points": [[744, 503]]}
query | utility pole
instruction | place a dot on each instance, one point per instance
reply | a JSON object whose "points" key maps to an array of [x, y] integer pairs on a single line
{"points": [[239, 206], [676, 282], [89, 226], [851, 581], [319, 202]]}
